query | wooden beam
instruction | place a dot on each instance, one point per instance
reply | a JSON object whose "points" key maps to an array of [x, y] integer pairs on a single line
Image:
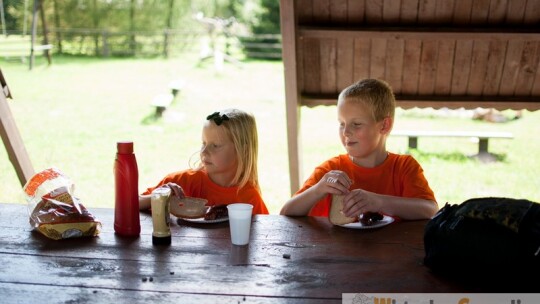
{"points": [[453, 102], [12, 139], [436, 33]]}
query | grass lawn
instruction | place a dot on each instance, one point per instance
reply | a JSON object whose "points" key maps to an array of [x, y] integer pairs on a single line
{"points": [[71, 114]]}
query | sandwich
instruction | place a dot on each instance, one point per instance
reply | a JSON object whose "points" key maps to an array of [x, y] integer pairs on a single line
{"points": [[188, 207], [336, 216]]}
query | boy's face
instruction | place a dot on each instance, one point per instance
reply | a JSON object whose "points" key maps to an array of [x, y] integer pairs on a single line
{"points": [[217, 152], [360, 134]]}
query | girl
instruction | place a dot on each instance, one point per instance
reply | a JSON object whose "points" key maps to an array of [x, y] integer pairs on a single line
{"points": [[227, 172]]}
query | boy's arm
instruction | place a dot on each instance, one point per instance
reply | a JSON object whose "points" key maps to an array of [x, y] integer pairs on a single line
{"points": [[301, 204], [361, 201], [333, 182]]}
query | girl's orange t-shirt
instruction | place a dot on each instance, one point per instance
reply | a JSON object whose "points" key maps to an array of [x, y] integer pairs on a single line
{"points": [[196, 183], [398, 175]]}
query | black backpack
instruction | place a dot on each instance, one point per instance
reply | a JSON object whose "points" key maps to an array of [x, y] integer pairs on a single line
{"points": [[487, 243]]}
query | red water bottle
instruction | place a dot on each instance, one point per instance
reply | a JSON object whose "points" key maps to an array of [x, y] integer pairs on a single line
{"points": [[126, 178]]}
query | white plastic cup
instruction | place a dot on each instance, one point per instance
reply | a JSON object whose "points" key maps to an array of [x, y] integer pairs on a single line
{"points": [[240, 222]]}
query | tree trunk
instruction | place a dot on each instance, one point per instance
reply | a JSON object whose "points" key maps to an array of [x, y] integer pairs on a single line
{"points": [[168, 26], [132, 42], [57, 26]]}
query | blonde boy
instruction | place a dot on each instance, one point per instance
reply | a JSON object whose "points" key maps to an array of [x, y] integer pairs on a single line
{"points": [[370, 178]]}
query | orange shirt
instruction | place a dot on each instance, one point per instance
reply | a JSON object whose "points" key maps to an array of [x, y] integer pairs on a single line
{"points": [[398, 175], [196, 183]]}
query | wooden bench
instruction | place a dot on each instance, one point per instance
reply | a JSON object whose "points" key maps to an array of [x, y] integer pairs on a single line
{"points": [[483, 137], [16, 47], [162, 102], [176, 86]]}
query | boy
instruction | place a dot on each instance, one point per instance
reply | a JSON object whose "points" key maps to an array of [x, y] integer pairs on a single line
{"points": [[370, 178]]}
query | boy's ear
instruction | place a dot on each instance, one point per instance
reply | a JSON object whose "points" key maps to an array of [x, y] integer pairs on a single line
{"points": [[387, 124]]}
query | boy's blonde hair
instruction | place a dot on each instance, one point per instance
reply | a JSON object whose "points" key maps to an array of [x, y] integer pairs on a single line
{"points": [[242, 130], [375, 94]]}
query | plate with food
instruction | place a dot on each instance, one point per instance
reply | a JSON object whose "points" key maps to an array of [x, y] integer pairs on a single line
{"points": [[202, 220], [371, 221], [212, 214]]}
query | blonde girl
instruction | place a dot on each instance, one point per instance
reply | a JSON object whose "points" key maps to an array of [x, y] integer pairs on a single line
{"points": [[227, 166]]}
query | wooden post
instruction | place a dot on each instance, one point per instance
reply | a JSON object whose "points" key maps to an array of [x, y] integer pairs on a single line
{"points": [[292, 96], [12, 139]]}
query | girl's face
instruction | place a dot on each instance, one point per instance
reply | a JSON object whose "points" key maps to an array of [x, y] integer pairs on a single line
{"points": [[360, 134], [217, 152]]}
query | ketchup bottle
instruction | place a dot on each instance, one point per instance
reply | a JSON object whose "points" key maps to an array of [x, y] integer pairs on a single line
{"points": [[126, 178]]}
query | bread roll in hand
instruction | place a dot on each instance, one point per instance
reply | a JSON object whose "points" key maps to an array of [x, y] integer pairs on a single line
{"points": [[336, 217]]}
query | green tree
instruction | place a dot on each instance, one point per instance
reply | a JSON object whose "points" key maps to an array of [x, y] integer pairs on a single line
{"points": [[266, 18], [13, 15]]}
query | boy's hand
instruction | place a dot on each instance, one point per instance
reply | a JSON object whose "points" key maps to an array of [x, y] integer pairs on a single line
{"points": [[334, 182], [360, 201]]}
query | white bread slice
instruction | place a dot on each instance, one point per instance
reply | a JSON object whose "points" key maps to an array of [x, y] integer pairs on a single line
{"points": [[335, 216], [188, 207]]}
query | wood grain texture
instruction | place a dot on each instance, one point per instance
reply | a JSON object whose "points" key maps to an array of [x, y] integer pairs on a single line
{"points": [[461, 68], [445, 62], [356, 12], [362, 58], [394, 63], [345, 63], [328, 66], [292, 259], [428, 62], [411, 66]]}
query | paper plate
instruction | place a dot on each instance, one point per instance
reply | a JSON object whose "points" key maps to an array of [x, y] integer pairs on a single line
{"points": [[203, 221], [387, 220]]}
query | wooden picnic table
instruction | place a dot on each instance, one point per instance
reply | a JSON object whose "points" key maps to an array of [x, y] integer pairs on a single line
{"points": [[289, 259]]}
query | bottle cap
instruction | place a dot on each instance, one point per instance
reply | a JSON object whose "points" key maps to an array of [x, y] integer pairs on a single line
{"points": [[163, 240], [124, 147]]}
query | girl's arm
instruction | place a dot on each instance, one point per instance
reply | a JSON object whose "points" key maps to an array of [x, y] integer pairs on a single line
{"points": [[144, 202], [145, 199]]}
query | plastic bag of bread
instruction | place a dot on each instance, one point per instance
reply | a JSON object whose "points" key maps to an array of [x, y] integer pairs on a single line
{"points": [[53, 209]]}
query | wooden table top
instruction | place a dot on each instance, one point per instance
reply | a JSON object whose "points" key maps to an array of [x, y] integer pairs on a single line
{"points": [[289, 259]]}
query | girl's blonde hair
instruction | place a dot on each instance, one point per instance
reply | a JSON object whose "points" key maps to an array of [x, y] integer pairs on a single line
{"points": [[376, 94], [242, 130]]}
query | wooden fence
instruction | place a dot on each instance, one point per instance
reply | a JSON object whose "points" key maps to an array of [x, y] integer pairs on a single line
{"points": [[105, 43]]}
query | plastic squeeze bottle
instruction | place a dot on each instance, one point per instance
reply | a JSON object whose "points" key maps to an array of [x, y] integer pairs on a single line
{"points": [[160, 216], [126, 178]]}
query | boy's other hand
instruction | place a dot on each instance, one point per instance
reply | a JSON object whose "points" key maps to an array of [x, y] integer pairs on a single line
{"points": [[359, 201], [335, 182]]}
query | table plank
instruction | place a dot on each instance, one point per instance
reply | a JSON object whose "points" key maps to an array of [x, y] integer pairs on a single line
{"points": [[23, 293]]}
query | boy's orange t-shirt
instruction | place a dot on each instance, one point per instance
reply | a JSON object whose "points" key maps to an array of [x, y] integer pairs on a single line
{"points": [[398, 175], [196, 183]]}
